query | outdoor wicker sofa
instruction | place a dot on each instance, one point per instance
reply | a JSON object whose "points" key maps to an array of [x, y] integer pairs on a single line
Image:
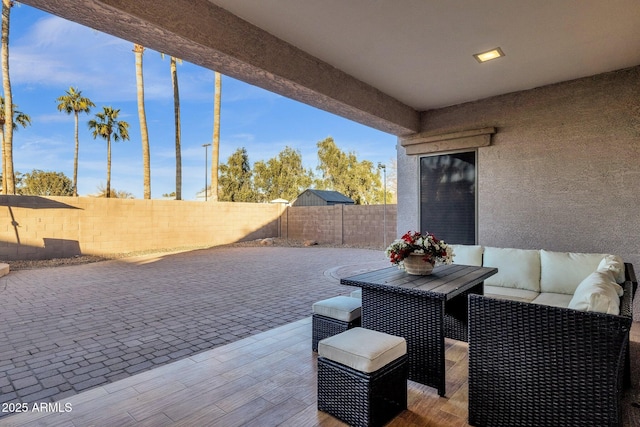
{"points": [[533, 361]]}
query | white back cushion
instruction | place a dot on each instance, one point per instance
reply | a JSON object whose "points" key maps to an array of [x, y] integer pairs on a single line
{"points": [[467, 254], [517, 268], [562, 272], [597, 292]]}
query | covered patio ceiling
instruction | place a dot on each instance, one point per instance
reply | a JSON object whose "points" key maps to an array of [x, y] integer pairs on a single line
{"points": [[382, 62]]}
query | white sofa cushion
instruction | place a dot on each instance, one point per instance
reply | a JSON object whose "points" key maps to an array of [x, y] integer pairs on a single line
{"points": [[597, 292], [562, 272], [363, 349], [615, 264], [553, 299], [513, 294], [517, 268], [467, 254]]}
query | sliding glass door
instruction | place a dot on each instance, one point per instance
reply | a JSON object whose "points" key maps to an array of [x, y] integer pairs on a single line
{"points": [[448, 196]]}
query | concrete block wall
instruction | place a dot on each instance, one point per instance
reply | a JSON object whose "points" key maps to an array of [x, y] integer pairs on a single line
{"points": [[33, 227], [341, 224], [320, 223], [365, 225]]}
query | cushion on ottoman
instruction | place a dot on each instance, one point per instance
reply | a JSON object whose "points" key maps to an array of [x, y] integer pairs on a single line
{"points": [[363, 349], [341, 308]]}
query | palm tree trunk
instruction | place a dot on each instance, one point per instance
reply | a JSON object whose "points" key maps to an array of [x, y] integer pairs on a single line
{"points": [[8, 181], [108, 166], [176, 113], [75, 159], [138, 50], [4, 171], [215, 150]]}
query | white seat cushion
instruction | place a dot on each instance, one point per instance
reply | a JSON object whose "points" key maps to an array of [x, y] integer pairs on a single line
{"points": [[517, 268], [356, 294], [562, 272], [341, 307], [362, 349], [597, 292], [467, 254], [553, 299], [513, 294]]}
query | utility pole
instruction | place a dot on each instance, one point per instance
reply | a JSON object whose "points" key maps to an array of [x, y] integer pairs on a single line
{"points": [[206, 146], [384, 221]]}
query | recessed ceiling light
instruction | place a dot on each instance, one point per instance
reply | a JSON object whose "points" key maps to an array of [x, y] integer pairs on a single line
{"points": [[489, 55]]}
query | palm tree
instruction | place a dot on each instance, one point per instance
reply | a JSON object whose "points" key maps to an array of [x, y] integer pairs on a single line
{"points": [[8, 183], [176, 114], [105, 125], [144, 133], [19, 118], [74, 102], [215, 150]]}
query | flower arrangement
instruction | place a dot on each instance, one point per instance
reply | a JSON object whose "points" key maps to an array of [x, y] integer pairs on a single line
{"points": [[435, 251]]}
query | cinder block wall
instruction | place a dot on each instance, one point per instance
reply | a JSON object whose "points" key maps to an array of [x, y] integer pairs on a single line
{"points": [[341, 224], [33, 227], [562, 172]]}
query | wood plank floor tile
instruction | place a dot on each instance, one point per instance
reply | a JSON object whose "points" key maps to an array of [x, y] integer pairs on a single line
{"points": [[266, 380]]}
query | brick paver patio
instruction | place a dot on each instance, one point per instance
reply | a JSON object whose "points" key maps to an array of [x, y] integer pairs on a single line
{"points": [[67, 329]]}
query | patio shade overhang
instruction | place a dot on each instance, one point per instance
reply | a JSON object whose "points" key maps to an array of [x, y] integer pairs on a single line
{"points": [[379, 64]]}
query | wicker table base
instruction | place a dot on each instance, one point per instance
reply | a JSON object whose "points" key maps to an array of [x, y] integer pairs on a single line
{"points": [[422, 309]]}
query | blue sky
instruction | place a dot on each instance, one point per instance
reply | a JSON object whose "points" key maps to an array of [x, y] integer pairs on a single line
{"points": [[49, 54]]}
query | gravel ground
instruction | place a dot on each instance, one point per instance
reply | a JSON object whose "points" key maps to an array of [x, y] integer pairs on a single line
{"points": [[85, 259]]}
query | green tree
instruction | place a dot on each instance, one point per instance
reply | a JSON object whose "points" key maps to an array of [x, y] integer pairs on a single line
{"points": [[74, 102], [359, 180], [142, 116], [106, 125], [215, 149], [42, 183], [282, 176], [8, 184], [236, 179], [19, 118]]}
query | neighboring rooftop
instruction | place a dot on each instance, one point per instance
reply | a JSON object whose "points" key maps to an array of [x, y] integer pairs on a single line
{"points": [[312, 197]]}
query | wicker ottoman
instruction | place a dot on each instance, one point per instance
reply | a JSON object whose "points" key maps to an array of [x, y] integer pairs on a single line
{"points": [[332, 316], [362, 376]]}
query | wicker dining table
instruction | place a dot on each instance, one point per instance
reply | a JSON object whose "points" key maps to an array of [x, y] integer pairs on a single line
{"points": [[422, 309]]}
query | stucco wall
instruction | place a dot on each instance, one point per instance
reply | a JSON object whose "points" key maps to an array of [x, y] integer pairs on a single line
{"points": [[562, 172], [34, 227]]}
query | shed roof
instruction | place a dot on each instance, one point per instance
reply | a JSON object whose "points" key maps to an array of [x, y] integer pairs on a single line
{"points": [[331, 196]]}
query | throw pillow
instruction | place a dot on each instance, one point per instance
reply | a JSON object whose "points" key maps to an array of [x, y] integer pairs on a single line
{"points": [[597, 292], [614, 264]]}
